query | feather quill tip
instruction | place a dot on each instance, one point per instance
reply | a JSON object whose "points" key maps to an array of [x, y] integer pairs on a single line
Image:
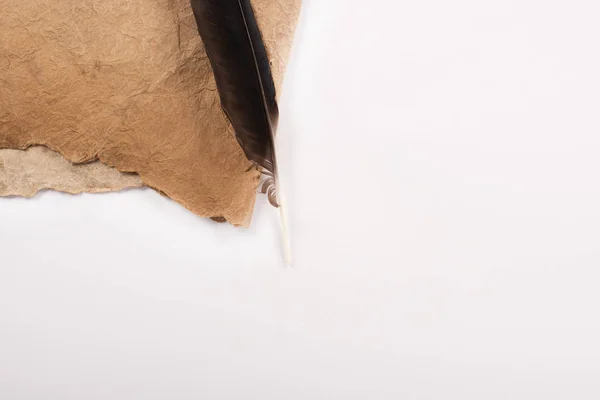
{"points": [[287, 248]]}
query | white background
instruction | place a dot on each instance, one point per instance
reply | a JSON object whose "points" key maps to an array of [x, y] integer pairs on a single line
{"points": [[443, 180]]}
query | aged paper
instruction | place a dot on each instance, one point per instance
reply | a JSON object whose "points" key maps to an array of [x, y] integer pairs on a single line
{"points": [[26, 172], [125, 83]]}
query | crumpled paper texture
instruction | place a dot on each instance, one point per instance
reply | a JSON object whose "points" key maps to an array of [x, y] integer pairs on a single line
{"points": [[24, 173], [126, 83]]}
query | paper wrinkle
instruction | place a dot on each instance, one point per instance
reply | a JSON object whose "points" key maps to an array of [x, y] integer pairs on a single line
{"points": [[126, 82]]}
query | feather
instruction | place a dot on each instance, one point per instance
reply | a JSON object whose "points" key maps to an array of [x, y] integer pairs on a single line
{"points": [[242, 71]]}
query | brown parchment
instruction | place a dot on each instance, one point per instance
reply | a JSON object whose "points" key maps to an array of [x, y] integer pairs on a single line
{"points": [[126, 83]]}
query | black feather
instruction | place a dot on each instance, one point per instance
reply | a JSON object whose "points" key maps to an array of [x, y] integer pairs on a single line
{"points": [[242, 71]]}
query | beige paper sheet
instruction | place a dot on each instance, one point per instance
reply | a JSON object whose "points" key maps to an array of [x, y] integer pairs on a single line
{"points": [[126, 83], [24, 173]]}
